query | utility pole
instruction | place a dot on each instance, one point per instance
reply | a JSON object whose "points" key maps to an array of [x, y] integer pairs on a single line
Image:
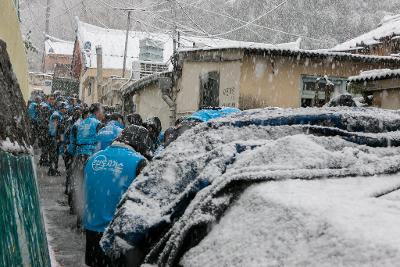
{"points": [[128, 26], [175, 28], [46, 33], [47, 27]]}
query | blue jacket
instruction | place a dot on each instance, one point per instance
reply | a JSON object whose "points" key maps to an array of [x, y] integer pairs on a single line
{"points": [[71, 146], [53, 128], [86, 138], [108, 134], [47, 105], [108, 174], [205, 115], [33, 112]]}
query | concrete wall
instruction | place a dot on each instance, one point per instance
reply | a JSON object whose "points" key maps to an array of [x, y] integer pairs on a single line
{"points": [[277, 81], [10, 33], [254, 81], [189, 85], [150, 104], [387, 99], [90, 75], [386, 92]]}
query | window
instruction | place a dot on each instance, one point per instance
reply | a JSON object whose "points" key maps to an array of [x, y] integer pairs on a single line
{"points": [[47, 83], [317, 91], [209, 90], [90, 85]]}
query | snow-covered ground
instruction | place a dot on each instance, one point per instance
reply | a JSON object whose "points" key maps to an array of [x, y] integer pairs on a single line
{"points": [[67, 245], [332, 222]]}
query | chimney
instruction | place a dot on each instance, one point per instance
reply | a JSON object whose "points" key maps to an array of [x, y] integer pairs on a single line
{"points": [[99, 78]]}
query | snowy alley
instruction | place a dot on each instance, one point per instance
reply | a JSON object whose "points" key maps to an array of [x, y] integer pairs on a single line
{"points": [[199, 133]]}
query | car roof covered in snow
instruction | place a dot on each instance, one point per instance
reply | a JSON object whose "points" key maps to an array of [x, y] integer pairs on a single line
{"points": [[389, 27], [328, 222], [378, 74], [199, 176], [113, 44]]}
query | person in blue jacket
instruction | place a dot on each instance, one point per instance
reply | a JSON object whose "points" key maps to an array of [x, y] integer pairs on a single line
{"points": [[86, 132], [56, 134], [69, 146], [33, 109], [43, 136], [33, 114], [85, 136], [110, 132], [108, 174]]}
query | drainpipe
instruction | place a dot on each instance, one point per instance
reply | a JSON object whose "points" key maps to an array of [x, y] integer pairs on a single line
{"points": [[165, 85], [99, 77]]}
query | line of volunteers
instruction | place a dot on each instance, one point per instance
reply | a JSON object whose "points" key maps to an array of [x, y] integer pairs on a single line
{"points": [[103, 153]]}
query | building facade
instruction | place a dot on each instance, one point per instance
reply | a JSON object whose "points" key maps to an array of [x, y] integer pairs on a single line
{"points": [[10, 33], [249, 78], [57, 51], [147, 54]]}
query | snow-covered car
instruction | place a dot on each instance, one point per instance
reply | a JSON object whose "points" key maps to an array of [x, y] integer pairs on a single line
{"points": [[269, 187]]}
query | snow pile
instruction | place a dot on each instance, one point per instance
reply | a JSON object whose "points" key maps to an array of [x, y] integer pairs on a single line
{"points": [[375, 75], [14, 147], [335, 222], [390, 26], [198, 176]]}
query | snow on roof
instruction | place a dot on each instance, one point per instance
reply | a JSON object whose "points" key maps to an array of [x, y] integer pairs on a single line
{"points": [[113, 44], [57, 46], [134, 86], [284, 51], [389, 26], [377, 74]]}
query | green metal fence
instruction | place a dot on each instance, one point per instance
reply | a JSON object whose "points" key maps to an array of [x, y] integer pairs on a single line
{"points": [[22, 235]]}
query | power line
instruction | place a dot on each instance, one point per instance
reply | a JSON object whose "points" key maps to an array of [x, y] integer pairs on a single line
{"points": [[250, 22], [261, 37], [253, 24], [66, 11], [137, 8], [194, 23]]}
